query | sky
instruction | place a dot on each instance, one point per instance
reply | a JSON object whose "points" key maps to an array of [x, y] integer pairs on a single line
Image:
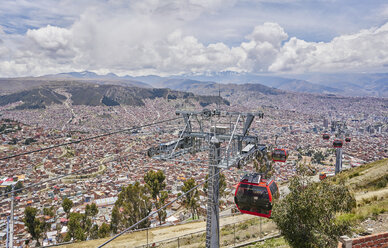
{"points": [[171, 37]]}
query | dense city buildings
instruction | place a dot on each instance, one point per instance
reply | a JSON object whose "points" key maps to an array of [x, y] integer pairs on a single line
{"points": [[101, 167]]}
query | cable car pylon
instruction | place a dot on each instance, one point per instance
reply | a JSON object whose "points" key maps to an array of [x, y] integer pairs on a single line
{"points": [[339, 127], [225, 136]]}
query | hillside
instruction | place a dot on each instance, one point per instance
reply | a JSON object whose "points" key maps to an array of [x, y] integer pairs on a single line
{"points": [[14, 85], [33, 99], [305, 86], [98, 95], [369, 184], [190, 234], [367, 181], [190, 82], [353, 84], [371, 209], [211, 88]]}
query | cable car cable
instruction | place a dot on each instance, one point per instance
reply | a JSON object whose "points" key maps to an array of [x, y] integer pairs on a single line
{"points": [[80, 170], [156, 211], [75, 172], [60, 176], [87, 139], [46, 181]]}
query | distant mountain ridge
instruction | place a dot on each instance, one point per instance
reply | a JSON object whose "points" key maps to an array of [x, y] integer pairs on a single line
{"points": [[99, 95], [183, 82], [345, 84], [353, 84], [350, 84], [109, 78]]}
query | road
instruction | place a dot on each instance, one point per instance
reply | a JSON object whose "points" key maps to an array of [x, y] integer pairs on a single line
{"points": [[68, 105]]}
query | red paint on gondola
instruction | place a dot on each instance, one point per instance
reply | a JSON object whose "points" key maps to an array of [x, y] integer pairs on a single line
{"points": [[251, 198]]}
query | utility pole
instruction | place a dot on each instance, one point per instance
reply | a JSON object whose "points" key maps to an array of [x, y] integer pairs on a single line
{"points": [[12, 219], [7, 245]]}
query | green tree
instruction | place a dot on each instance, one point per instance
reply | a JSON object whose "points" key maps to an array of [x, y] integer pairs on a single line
{"points": [[115, 219], [162, 201], [90, 211], [76, 227], [156, 185], [318, 157], [132, 205], [29, 141], [81, 226], [93, 210], [8, 189], [307, 215], [94, 232], [49, 211], [67, 204], [34, 226], [262, 163], [222, 185], [190, 201], [104, 230], [18, 185]]}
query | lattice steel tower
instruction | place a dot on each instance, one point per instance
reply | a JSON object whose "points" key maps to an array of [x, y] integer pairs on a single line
{"points": [[225, 137]]}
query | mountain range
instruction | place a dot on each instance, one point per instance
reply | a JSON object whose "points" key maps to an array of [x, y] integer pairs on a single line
{"points": [[345, 84], [89, 88], [351, 84], [98, 95]]}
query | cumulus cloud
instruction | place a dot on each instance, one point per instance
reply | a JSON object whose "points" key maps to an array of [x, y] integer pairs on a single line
{"points": [[150, 37], [268, 32], [363, 50], [53, 40]]}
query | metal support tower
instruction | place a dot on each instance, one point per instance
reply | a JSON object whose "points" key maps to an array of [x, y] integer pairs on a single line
{"points": [[213, 211], [340, 128], [225, 135], [338, 160]]}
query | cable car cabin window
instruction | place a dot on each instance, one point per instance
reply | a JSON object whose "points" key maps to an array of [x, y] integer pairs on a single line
{"points": [[337, 143], [279, 155], [253, 198], [274, 190]]}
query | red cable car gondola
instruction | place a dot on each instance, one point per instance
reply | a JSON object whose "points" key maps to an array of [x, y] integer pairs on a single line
{"points": [[279, 155], [348, 139], [337, 143], [326, 136], [254, 195]]}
